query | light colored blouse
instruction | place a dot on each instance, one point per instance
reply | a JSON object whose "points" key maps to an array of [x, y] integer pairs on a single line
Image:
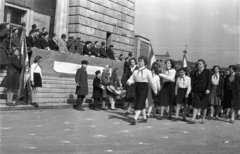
{"points": [[168, 76], [215, 79], [143, 75], [156, 80], [35, 68], [183, 82]]}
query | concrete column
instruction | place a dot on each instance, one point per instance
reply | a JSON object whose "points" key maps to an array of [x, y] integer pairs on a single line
{"points": [[61, 17], [2, 4]]}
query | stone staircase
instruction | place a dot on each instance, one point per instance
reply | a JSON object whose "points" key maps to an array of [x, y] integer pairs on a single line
{"points": [[56, 92]]}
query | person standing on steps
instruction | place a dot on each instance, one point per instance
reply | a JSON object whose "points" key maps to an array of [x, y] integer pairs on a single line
{"points": [[81, 79], [36, 79], [97, 90]]}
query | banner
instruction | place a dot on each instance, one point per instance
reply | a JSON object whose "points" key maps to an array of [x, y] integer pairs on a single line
{"points": [[58, 64]]}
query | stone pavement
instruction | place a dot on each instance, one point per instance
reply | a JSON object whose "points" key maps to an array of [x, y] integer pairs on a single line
{"points": [[67, 131]]}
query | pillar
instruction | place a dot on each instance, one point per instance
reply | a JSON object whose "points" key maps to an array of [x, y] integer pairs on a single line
{"points": [[61, 17], [2, 5]]}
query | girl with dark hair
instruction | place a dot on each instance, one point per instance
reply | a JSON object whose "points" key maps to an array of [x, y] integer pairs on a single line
{"points": [[11, 81], [130, 93], [152, 102], [201, 86], [232, 93], [217, 91], [167, 93], [142, 78], [36, 78], [182, 90]]}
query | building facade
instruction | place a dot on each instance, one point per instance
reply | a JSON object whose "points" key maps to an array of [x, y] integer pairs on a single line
{"points": [[111, 21]]}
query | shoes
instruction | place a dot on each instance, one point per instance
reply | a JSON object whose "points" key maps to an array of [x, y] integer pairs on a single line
{"points": [[159, 118], [232, 121], [184, 119], [143, 121], [34, 104], [10, 104], [197, 117], [134, 122], [203, 122], [147, 116], [170, 117], [113, 109], [127, 114]]}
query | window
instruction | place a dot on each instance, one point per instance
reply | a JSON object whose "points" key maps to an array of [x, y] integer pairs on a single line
{"points": [[13, 16]]}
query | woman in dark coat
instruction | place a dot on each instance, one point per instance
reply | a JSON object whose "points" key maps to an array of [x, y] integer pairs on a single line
{"points": [[81, 79], [15, 39], [11, 81], [232, 92], [43, 42], [217, 92], [201, 86], [97, 90], [130, 94], [4, 34]]}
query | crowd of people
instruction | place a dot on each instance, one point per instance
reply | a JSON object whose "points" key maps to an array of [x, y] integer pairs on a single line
{"points": [[201, 92], [149, 91]]}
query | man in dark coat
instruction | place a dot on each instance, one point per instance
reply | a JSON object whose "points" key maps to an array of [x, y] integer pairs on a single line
{"points": [[53, 43], [102, 51], [110, 52], [81, 79], [87, 48], [43, 42], [4, 35], [94, 49], [34, 27], [71, 45], [79, 46], [97, 90]]}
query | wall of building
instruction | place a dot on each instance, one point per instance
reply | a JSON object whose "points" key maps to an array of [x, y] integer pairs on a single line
{"points": [[41, 12], [92, 19]]}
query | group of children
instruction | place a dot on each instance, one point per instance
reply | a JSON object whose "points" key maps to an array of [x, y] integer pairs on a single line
{"points": [[174, 90]]}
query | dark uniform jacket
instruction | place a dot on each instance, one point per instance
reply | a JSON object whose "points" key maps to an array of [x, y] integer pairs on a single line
{"points": [[79, 48], [97, 90], [103, 53], [53, 45], [81, 79], [14, 67], [15, 41], [43, 44], [71, 46], [110, 54], [201, 82], [86, 50], [4, 33], [30, 41], [95, 51]]}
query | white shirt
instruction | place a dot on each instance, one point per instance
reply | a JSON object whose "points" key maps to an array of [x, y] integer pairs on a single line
{"points": [[35, 68], [142, 75], [183, 82], [168, 76], [215, 79], [156, 80]]}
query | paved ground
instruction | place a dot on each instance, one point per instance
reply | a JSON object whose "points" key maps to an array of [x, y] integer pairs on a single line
{"points": [[68, 131]]}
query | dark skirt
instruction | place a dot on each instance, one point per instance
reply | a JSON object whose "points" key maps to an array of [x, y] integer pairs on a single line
{"points": [[181, 99], [167, 94], [190, 99], [201, 100], [214, 99], [228, 100], [141, 92], [11, 81], [130, 94], [37, 80]]}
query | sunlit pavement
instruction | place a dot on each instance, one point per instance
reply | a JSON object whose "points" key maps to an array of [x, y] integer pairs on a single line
{"points": [[61, 131]]}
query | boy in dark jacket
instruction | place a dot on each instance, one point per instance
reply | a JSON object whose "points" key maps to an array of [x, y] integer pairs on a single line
{"points": [[97, 90]]}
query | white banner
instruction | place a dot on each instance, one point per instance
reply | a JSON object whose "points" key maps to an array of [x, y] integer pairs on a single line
{"points": [[71, 68]]}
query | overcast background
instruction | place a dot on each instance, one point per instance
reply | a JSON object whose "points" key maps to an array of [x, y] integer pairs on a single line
{"points": [[210, 28]]}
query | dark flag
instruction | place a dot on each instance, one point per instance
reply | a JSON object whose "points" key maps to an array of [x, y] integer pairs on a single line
{"points": [[24, 92]]}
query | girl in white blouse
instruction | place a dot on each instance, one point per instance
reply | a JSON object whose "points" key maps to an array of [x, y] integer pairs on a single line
{"points": [[142, 78], [167, 93], [36, 78], [182, 90], [156, 79]]}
